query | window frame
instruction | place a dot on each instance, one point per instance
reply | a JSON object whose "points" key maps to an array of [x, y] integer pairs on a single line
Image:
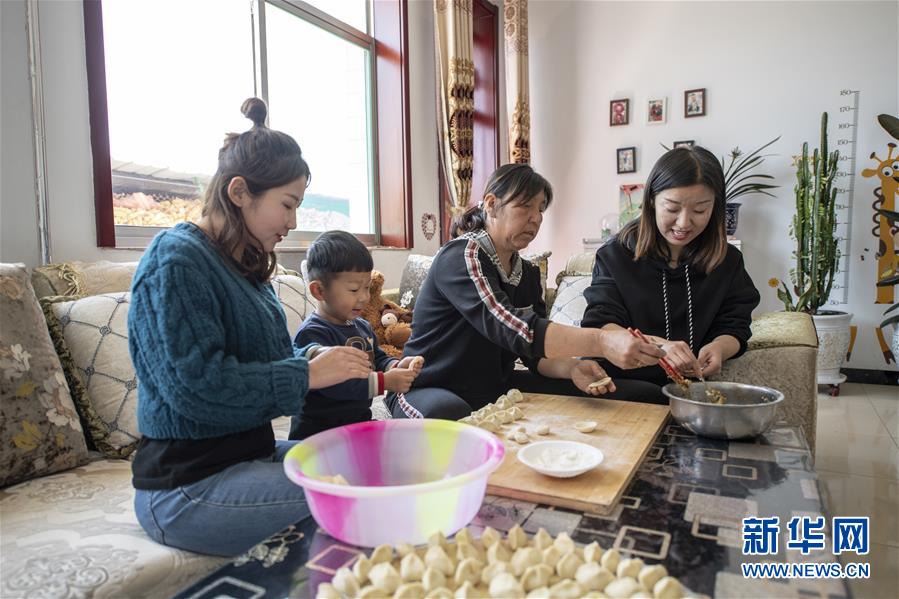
{"points": [[391, 158]]}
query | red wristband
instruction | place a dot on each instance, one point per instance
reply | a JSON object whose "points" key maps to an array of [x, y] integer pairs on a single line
{"points": [[380, 383]]}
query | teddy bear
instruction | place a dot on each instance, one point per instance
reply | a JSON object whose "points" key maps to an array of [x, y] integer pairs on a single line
{"points": [[390, 322]]}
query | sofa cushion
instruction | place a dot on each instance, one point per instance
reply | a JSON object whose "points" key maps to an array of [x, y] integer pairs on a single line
{"points": [[295, 298], [413, 277], [91, 337], [569, 304], [74, 534], [39, 428], [83, 278]]}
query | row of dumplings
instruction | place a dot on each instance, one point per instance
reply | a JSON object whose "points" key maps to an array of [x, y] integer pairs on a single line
{"points": [[518, 566], [503, 411]]}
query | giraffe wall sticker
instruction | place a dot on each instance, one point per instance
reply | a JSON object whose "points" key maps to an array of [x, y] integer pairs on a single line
{"points": [[887, 171]]}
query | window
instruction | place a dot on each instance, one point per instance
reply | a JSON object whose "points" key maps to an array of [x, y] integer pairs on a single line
{"points": [[161, 103]]}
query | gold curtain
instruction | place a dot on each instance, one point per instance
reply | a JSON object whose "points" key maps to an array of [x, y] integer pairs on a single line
{"points": [[518, 103], [455, 96]]}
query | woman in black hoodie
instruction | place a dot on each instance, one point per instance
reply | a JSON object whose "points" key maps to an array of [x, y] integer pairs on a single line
{"points": [[672, 274]]}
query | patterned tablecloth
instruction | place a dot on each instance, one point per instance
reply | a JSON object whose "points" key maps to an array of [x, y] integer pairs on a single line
{"points": [[684, 509]]}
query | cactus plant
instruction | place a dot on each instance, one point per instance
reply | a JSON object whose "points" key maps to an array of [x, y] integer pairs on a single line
{"points": [[814, 229]]}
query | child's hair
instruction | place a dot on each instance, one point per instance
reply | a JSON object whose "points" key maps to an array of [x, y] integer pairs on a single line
{"points": [[334, 252], [265, 159], [510, 182], [681, 167]]}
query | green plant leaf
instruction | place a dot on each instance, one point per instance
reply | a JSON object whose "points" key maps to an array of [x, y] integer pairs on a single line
{"points": [[890, 124]]}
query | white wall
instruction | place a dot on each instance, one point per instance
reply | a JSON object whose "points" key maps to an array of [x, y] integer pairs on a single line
{"points": [[18, 210], [770, 68], [69, 163]]}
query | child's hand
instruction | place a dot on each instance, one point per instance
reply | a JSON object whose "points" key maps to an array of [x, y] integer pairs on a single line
{"points": [[399, 380], [413, 363], [334, 365]]}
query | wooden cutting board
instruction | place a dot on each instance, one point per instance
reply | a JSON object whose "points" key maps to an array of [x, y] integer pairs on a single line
{"points": [[624, 434]]}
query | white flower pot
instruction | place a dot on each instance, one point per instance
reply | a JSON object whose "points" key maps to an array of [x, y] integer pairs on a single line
{"points": [[833, 344]]}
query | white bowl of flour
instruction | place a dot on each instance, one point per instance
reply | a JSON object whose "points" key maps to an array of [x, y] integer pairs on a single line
{"points": [[562, 459]]}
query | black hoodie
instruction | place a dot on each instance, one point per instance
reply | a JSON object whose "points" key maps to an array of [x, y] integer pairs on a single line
{"points": [[630, 294]]}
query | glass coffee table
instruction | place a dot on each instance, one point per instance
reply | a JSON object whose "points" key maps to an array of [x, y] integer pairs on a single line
{"points": [[684, 509]]}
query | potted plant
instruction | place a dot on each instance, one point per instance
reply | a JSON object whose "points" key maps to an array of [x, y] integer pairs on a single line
{"points": [[816, 257], [739, 181]]}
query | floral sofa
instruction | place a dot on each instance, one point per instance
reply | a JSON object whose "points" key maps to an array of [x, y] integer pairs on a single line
{"points": [[67, 428]]}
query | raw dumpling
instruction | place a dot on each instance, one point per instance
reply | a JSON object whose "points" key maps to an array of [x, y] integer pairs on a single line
{"points": [[517, 413], [515, 395], [585, 426], [504, 585], [498, 553], [505, 416], [409, 590], [438, 539], [610, 560], [362, 567], [404, 549], [432, 579], [536, 576], [542, 539], [371, 592], [541, 593], [463, 536], [543, 429], [650, 575], [629, 568], [521, 438], [411, 568], [381, 554], [468, 551], [503, 403], [516, 537], [551, 556], [439, 593], [437, 558], [564, 543], [620, 588], [489, 537], [566, 589], [593, 577], [468, 591], [568, 565], [345, 582], [593, 552], [384, 576], [668, 588], [524, 558], [494, 569], [468, 570]]}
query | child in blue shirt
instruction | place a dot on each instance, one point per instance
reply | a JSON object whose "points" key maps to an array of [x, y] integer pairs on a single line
{"points": [[339, 269]]}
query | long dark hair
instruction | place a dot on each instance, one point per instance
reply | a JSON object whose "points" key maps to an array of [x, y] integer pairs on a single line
{"points": [[265, 159], [681, 167], [510, 182]]}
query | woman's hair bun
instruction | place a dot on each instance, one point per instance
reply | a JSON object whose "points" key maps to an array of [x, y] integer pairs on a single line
{"points": [[255, 110]]}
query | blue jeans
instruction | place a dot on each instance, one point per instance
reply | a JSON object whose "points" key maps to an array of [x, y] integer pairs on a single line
{"points": [[226, 513]]}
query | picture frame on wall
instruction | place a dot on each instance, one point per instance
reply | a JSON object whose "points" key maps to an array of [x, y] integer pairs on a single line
{"points": [[619, 112], [687, 143], [694, 102], [656, 111], [627, 160]]}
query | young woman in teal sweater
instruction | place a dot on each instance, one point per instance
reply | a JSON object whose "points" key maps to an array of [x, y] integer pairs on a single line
{"points": [[216, 364]]}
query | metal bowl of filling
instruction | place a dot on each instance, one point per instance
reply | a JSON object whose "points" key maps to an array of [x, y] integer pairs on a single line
{"points": [[744, 411]]}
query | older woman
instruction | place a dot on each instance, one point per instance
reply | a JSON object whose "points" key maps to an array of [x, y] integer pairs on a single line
{"points": [[672, 274], [481, 307]]}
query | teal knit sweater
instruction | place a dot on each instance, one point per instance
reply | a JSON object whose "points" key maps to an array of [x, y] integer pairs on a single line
{"points": [[211, 349]]}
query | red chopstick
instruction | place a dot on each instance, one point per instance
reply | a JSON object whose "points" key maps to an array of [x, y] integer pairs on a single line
{"points": [[670, 370]]}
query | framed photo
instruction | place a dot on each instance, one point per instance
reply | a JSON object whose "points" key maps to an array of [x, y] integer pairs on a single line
{"points": [[687, 143], [627, 160], [619, 112], [694, 102], [656, 111]]}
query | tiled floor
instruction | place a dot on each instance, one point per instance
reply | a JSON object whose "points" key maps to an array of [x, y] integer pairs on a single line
{"points": [[858, 467]]}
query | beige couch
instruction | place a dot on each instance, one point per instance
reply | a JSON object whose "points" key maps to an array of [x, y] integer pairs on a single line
{"points": [[781, 353], [73, 533]]}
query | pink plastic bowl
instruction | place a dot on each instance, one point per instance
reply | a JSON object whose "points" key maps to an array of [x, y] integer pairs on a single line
{"points": [[408, 478]]}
